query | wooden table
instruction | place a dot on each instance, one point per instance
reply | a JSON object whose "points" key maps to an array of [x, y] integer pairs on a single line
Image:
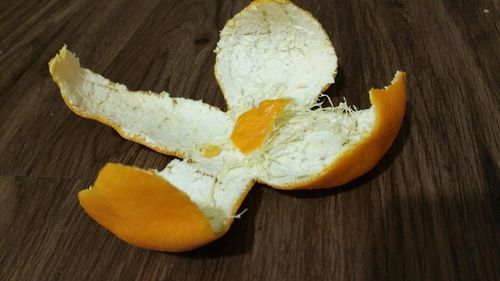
{"points": [[428, 211]]}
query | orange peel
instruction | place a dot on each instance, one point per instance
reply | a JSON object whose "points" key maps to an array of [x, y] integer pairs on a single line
{"points": [[273, 61], [389, 105], [134, 204]]}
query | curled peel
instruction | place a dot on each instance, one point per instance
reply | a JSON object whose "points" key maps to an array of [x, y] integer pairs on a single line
{"points": [[389, 105], [145, 210], [273, 61]]}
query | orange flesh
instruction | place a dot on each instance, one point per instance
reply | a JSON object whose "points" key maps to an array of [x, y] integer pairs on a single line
{"points": [[210, 151], [254, 125], [145, 210]]}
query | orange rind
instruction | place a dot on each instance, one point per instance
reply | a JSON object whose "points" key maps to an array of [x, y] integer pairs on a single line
{"points": [[389, 105], [273, 61], [145, 210]]}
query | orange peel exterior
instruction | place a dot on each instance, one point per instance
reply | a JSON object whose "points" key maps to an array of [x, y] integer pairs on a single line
{"points": [[145, 210], [389, 105]]}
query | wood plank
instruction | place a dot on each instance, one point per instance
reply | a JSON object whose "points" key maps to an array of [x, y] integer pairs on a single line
{"points": [[428, 211]]}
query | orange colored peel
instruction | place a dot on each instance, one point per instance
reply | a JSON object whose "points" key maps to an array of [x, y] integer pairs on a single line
{"points": [[253, 126], [145, 210], [389, 105]]}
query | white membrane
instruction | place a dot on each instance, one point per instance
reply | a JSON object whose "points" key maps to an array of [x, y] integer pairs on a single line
{"points": [[273, 50]]}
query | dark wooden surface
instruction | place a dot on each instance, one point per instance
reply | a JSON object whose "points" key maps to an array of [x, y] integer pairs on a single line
{"points": [[428, 211]]}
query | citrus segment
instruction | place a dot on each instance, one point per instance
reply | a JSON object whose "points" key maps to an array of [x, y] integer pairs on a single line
{"points": [[145, 210], [254, 125]]}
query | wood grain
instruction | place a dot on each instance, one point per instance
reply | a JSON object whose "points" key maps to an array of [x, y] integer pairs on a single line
{"points": [[428, 211]]}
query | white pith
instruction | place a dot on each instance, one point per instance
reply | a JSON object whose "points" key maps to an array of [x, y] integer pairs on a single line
{"points": [[145, 115], [293, 59], [272, 50], [307, 142]]}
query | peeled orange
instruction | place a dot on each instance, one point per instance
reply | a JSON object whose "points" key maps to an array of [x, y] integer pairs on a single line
{"points": [[273, 60]]}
